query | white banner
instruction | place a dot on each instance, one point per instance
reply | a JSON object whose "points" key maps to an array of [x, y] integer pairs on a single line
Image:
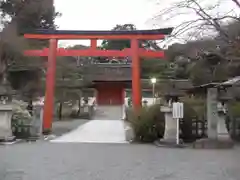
{"points": [[177, 110]]}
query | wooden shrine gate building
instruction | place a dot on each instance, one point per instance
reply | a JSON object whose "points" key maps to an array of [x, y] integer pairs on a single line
{"points": [[109, 81], [110, 91]]}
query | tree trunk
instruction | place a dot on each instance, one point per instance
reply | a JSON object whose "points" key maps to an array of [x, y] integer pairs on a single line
{"points": [[30, 107], [60, 111], [79, 103], [79, 107], [2, 63]]}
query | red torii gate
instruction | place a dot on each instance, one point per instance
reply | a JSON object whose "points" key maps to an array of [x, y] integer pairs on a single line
{"points": [[53, 51]]}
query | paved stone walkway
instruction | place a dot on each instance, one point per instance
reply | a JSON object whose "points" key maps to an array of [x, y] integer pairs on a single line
{"points": [[96, 131], [62, 127], [74, 161]]}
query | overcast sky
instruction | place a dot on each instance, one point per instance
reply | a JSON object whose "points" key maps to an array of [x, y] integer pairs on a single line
{"points": [[105, 14]]}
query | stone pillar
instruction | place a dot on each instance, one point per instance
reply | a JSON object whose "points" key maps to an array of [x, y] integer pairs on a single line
{"points": [[123, 111], [170, 126], [212, 113], [37, 121], [6, 111], [158, 101], [221, 126]]}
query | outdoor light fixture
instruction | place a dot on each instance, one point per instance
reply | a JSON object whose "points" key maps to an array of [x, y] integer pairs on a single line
{"points": [[153, 80]]}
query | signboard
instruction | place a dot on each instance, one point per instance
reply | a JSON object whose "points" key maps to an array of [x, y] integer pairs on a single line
{"points": [[177, 110]]}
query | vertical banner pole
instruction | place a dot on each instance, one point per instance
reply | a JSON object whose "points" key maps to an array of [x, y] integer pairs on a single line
{"points": [[177, 112], [153, 93], [177, 138]]}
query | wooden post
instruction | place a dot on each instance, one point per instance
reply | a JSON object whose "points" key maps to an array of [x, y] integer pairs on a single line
{"points": [[136, 80], [94, 44], [50, 86]]}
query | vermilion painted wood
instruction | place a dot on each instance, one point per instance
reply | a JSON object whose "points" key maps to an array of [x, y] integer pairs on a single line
{"points": [[93, 43], [110, 93], [50, 86], [151, 54], [84, 52], [70, 36], [95, 52], [136, 80], [134, 52]]}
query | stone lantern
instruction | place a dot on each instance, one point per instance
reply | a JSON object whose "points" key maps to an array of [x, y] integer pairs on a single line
{"points": [[170, 133], [224, 96], [6, 111], [216, 97]]}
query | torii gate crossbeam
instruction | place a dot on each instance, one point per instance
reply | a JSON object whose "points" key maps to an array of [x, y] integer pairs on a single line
{"points": [[95, 53]]}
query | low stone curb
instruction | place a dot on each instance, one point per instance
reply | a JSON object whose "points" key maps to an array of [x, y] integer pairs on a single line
{"points": [[170, 145], [49, 137], [43, 138], [12, 142], [213, 144]]}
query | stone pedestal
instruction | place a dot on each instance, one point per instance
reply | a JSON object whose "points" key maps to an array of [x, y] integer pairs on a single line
{"points": [[85, 109], [5, 122], [123, 112], [37, 122], [221, 127], [223, 134], [129, 133], [170, 133], [158, 101]]}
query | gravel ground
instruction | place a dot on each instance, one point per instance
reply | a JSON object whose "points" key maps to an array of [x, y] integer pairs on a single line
{"points": [[75, 161], [62, 127]]}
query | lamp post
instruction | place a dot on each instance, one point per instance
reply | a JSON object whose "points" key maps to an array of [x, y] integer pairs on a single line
{"points": [[153, 81]]}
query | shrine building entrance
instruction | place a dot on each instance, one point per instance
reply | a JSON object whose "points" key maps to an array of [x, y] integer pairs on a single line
{"points": [[110, 93]]}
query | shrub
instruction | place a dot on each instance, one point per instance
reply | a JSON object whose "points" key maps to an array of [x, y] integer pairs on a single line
{"points": [[197, 104], [20, 121], [148, 124], [233, 120], [20, 113], [192, 113], [234, 108]]}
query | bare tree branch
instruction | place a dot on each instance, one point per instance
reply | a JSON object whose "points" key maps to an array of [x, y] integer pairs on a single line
{"points": [[209, 19], [205, 18], [236, 2], [227, 17]]}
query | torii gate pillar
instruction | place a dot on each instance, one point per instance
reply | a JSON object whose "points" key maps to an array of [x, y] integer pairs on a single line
{"points": [[136, 80], [50, 85]]}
